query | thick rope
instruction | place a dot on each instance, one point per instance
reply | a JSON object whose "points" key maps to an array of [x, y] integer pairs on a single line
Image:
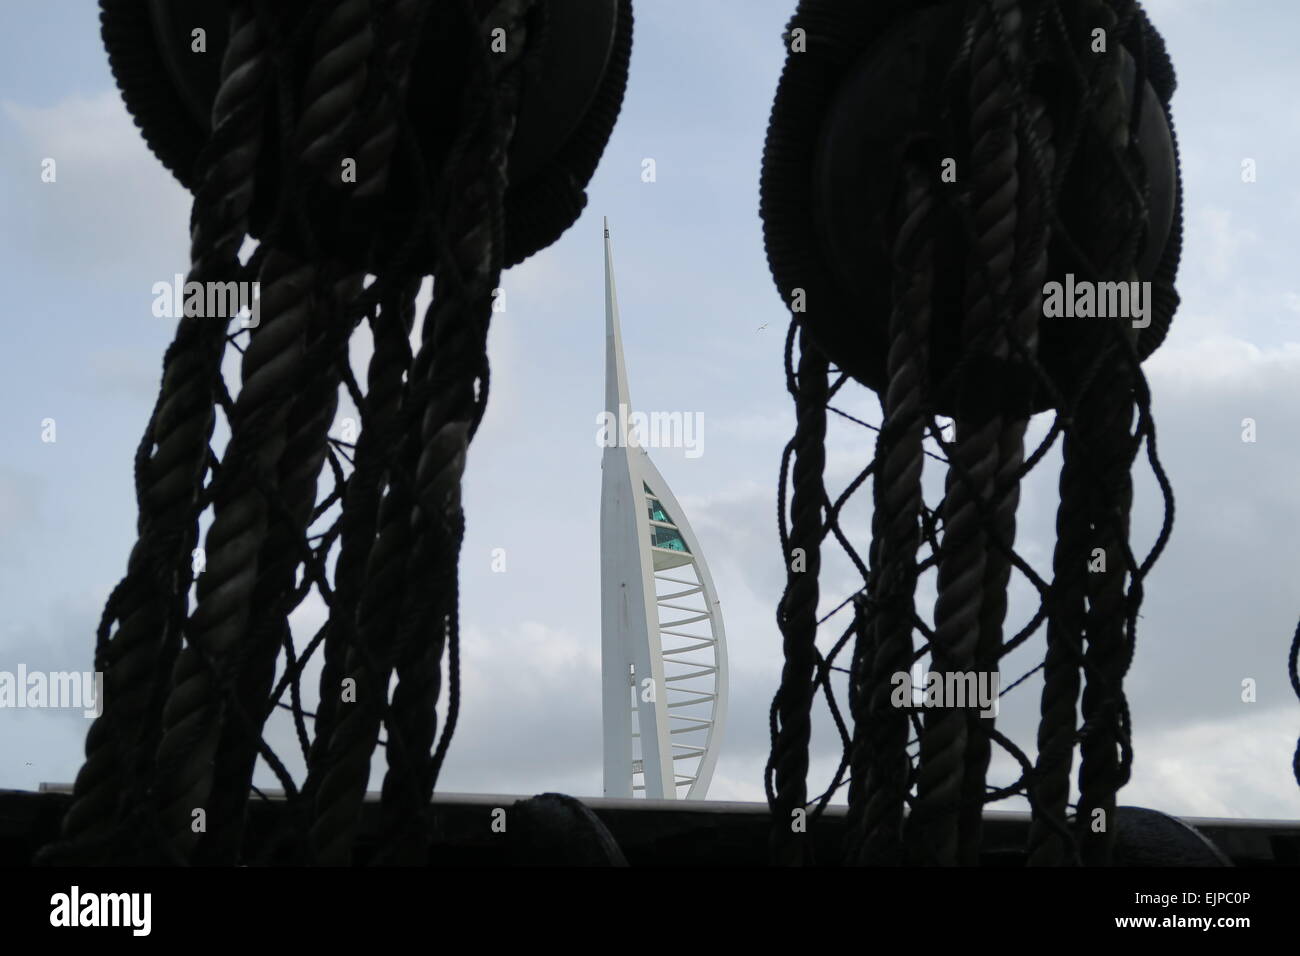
{"points": [[972, 573], [309, 419], [420, 515], [786, 775], [879, 750], [1013, 285], [1057, 712], [454, 352], [340, 53], [171, 462], [381, 409], [192, 716], [331, 96], [380, 431], [1106, 423]]}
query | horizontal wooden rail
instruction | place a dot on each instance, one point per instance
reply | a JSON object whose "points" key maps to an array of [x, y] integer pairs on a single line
{"points": [[648, 832]]}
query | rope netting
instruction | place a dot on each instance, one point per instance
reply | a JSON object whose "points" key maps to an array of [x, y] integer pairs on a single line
{"points": [[199, 653], [1051, 156]]}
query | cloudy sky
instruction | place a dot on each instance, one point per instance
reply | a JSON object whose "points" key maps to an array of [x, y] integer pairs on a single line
{"points": [[703, 330]]}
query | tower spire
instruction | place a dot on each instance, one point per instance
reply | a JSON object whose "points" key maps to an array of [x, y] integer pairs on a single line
{"points": [[616, 392]]}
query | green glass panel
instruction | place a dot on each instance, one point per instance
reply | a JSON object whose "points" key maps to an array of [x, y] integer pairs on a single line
{"points": [[657, 512], [669, 538]]}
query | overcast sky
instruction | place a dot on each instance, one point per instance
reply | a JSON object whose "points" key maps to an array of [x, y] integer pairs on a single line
{"points": [[703, 330]]}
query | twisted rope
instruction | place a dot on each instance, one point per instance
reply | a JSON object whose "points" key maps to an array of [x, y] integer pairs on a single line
{"points": [[452, 357], [343, 45], [171, 461], [380, 431], [406, 614], [191, 718], [331, 97], [1061, 682], [1106, 423], [403, 21], [972, 576], [786, 774], [879, 749], [304, 454], [381, 409], [1014, 288]]}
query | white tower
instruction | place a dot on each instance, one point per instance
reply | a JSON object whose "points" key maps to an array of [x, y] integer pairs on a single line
{"points": [[663, 651]]}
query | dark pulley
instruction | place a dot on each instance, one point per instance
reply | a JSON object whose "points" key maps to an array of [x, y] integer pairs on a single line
{"points": [[1147, 837], [882, 84], [567, 111]]}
